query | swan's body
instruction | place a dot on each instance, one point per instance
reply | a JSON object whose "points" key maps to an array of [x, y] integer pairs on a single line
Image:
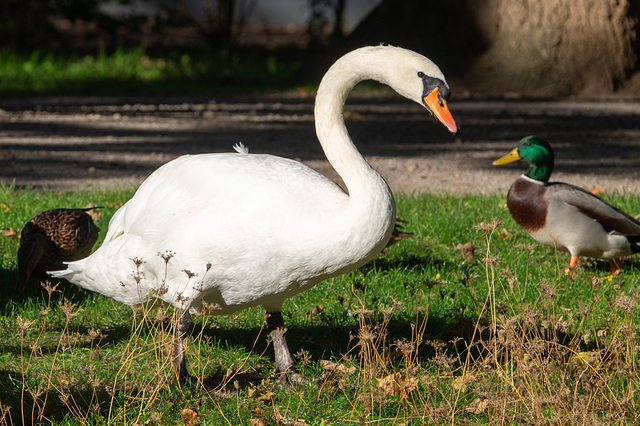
{"points": [[241, 229], [564, 216]]}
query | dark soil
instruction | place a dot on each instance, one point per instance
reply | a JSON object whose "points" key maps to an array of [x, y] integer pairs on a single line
{"points": [[68, 143]]}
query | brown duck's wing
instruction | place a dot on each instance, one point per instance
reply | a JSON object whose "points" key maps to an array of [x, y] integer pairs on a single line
{"points": [[611, 218], [72, 231]]}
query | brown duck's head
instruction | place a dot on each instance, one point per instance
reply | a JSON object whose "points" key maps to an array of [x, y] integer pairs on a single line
{"points": [[32, 246]]}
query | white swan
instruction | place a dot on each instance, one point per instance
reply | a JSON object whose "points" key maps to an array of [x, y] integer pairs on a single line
{"points": [[238, 230]]}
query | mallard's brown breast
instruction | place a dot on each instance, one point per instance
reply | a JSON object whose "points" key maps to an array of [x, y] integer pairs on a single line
{"points": [[527, 204]]}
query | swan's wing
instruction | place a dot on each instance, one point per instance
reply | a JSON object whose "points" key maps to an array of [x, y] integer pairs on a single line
{"points": [[228, 198]]}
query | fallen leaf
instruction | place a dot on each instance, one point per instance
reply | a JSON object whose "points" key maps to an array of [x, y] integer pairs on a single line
{"points": [[5, 207], [282, 420], [258, 422], [597, 190], [503, 233], [581, 359], [250, 391], [467, 251], [190, 417], [333, 366], [266, 398], [10, 232], [478, 405], [95, 213], [461, 382], [314, 311], [395, 384]]}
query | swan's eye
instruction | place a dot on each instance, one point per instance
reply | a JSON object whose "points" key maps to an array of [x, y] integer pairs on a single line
{"points": [[421, 74]]}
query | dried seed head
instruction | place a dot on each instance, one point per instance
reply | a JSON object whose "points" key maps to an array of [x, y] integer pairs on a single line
{"points": [[303, 356], [364, 313], [50, 288], [95, 333], [67, 308], [626, 303], [160, 291], [526, 247], [547, 288], [210, 308], [166, 256], [405, 346], [23, 324], [487, 228], [366, 334]]}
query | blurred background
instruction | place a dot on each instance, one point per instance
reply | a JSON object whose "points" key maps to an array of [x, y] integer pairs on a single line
{"points": [[489, 47]]}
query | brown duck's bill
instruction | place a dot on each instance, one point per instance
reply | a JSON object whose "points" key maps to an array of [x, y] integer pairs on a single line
{"points": [[23, 278], [441, 112], [509, 158]]}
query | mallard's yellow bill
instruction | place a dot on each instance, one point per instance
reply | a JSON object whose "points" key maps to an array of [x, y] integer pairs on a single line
{"points": [[509, 158]]}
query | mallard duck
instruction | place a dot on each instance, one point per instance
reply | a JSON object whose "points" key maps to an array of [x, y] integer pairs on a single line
{"points": [[564, 216], [234, 230], [53, 237]]}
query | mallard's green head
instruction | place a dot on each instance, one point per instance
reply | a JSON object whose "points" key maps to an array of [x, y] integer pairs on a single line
{"points": [[534, 151]]}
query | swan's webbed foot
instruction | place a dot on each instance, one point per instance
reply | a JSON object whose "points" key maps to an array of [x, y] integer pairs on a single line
{"points": [[285, 367], [211, 386]]}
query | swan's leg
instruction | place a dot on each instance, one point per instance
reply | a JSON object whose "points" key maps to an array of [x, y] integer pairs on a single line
{"points": [[284, 362], [182, 327]]}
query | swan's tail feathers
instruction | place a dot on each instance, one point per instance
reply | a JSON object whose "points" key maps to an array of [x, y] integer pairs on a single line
{"points": [[241, 148], [634, 243], [116, 270]]}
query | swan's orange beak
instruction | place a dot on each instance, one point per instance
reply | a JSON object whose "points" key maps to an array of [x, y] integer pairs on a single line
{"points": [[440, 110]]}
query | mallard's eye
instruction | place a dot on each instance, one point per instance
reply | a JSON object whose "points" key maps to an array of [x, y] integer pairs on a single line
{"points": [[421, 74]]}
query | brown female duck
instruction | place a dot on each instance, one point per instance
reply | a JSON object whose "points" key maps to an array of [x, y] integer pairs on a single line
{"points": [[53, 237]]}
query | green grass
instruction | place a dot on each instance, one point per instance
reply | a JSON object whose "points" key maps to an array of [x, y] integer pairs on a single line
{"points": [[134, 72], [420, 335]]}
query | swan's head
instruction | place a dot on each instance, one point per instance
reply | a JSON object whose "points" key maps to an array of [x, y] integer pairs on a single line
{"points": [[408, 73], [413, 76], [417, 78]]}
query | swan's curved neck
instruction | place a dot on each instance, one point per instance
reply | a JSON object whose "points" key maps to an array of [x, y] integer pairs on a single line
{"points": [[358, 176]]}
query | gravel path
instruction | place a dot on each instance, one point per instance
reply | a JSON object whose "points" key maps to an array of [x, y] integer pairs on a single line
{"points": [[66, 143]]}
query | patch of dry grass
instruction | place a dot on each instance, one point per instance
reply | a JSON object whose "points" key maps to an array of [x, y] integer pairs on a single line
{"points": [[489, 332]]}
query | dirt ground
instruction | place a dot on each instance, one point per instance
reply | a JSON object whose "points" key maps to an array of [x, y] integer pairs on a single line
{"points": [[67, 143]]}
